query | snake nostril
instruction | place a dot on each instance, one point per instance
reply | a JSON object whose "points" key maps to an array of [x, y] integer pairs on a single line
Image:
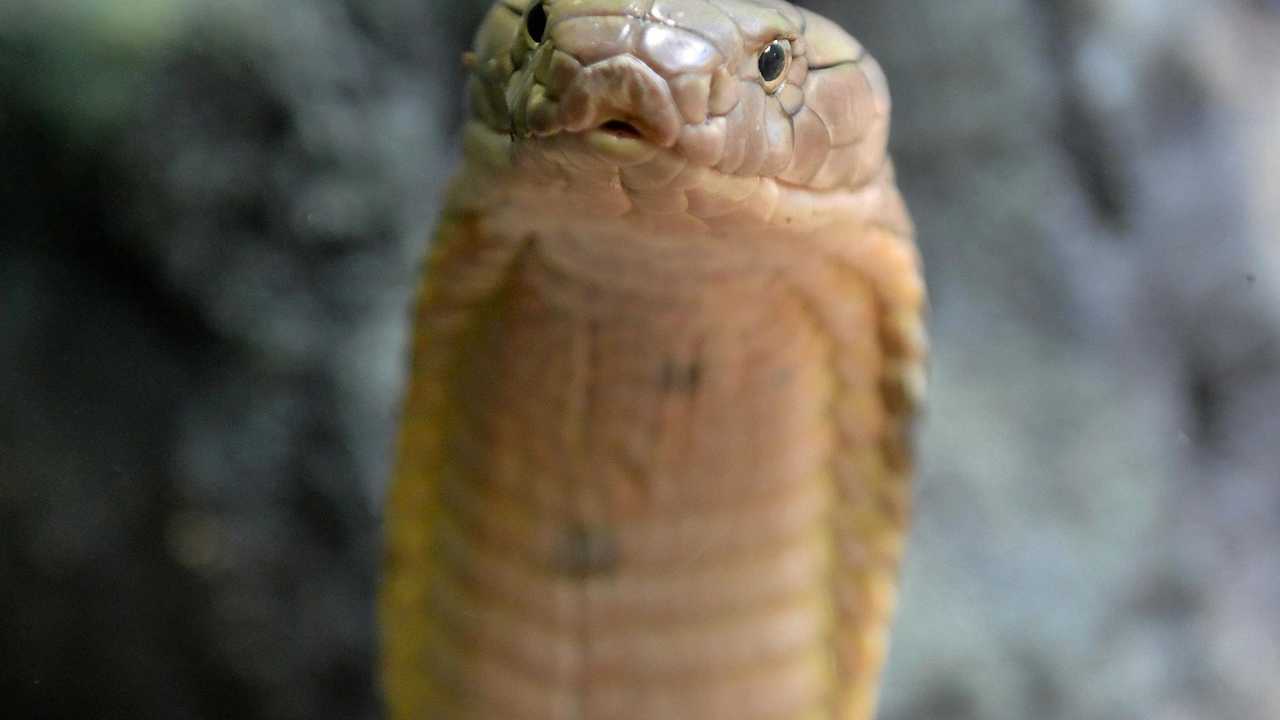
{"points": [[622, 128]]}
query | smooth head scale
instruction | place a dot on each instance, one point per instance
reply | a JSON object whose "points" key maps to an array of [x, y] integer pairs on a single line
{"points": [[676, 107]]}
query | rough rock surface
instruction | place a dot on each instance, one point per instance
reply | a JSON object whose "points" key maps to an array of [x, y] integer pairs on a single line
{"points": [[210, 220]]}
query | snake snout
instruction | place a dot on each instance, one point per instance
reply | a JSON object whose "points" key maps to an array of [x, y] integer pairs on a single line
{"points": [[625, 97], [619, 68]]}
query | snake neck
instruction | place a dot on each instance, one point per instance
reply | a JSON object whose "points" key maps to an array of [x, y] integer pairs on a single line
{"points": [[636, 516], [664, 484]]}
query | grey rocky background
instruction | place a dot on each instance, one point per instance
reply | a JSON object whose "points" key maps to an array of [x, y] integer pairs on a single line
{"points": [[210, 219]]}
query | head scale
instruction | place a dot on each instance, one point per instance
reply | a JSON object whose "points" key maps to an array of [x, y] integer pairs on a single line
{"points": [[742, 88]]}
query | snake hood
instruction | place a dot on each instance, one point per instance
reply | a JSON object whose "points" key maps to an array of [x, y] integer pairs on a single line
{"points": [[628, 104], [655, 458]]}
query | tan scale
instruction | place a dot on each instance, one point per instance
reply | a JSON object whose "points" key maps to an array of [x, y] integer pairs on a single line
{"points": [[655, 462]]}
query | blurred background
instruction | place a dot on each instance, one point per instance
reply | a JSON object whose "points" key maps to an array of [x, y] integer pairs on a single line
{"points": [[211, 215]]}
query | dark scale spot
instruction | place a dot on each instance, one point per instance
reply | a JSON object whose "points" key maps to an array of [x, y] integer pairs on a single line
{"points": [[536, 22], [680, 377], [896, 396], [585, 552]]}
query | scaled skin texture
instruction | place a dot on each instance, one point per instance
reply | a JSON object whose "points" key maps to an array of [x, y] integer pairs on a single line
{"points": [[655, 460]]}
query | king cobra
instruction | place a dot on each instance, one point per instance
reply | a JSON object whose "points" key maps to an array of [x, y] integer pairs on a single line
{"points": [[655, 457]]}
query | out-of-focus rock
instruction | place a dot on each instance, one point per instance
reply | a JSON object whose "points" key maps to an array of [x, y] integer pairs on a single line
{"points": [[209, 225]]}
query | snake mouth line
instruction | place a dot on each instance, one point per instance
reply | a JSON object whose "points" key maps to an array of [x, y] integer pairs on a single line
{"points": [[622, 129]]}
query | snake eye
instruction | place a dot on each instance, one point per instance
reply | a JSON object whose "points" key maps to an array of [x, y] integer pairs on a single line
{"points": [[774, 60], [535, 22]]}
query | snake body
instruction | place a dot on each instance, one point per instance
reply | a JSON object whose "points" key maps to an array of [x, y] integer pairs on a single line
{"points": [[654, 460]]}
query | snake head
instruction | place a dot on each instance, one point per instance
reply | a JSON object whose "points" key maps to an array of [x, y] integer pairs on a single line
{"points": [[745, 88]]}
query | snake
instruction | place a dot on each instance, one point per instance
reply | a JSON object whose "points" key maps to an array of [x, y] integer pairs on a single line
{"points": [[655, 453]]}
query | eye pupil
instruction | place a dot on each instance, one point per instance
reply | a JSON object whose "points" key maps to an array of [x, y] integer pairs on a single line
{"points": [[773, 61], [536, 22]]}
